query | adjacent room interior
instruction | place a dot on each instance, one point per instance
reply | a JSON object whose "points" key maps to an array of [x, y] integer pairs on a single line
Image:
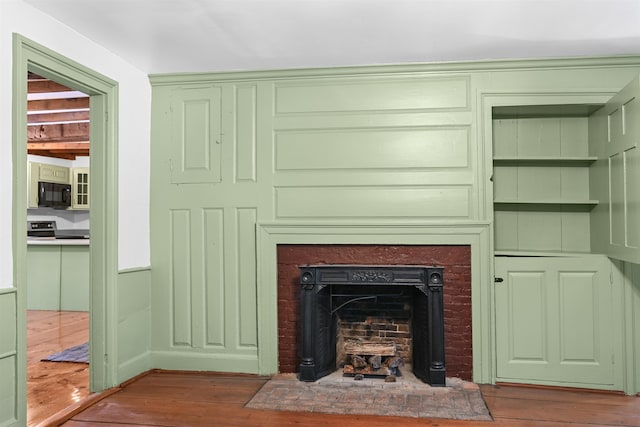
{"points": [[58, 230]]}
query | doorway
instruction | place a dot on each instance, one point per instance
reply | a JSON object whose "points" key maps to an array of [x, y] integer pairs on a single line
{"points": [[32, 57], [58, 265]]}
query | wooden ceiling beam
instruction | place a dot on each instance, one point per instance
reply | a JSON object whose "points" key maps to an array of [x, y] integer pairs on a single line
{"points": [[45, 86], [64, 140], [67, 151], [59, 132], [67, 116], [57, 104]]}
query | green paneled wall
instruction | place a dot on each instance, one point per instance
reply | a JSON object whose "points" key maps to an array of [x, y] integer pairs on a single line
{"points": [[134, 322], [366, 151], [631, 274], [8, 358]]}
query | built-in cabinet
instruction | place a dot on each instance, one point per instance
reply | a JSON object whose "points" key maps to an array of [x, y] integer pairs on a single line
{"points": [[58, 277], [566, 193], [542, 201]]}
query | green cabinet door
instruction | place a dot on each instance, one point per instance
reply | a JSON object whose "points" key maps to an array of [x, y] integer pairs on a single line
{"points": [[614, 132], [554, 321], [43, 277], [196, 135], [74, 278], [58, 277]]}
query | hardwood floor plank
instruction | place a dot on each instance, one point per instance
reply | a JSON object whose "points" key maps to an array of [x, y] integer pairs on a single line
{"points": [[553, 394], [202, 389], [53, 386], [565, 412], [192, 399]]}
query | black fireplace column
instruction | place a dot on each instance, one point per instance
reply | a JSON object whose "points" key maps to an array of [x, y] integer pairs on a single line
{"points": [[318, 320]]}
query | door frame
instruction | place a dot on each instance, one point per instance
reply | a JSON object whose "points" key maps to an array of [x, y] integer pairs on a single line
{"points": [[31, 56]]}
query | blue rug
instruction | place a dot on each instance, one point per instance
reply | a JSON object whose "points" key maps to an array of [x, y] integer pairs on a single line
{"points": [[77, 354]]}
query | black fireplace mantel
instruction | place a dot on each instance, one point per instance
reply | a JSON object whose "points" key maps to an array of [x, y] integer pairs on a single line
{"points": [[318, 317]]}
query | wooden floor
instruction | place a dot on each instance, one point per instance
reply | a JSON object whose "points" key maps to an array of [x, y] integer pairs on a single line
{"points": [[53, 386], [205, 399], [197, 399]]}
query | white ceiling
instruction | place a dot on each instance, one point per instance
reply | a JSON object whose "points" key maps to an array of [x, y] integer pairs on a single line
{"points": [[164, 36]]}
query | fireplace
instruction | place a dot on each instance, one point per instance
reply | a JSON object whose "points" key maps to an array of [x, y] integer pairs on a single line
{"points": [[455, 258], [323, 286]]}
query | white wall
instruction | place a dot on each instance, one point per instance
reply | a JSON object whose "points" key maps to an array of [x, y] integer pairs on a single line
{"points": [[134, 128]]}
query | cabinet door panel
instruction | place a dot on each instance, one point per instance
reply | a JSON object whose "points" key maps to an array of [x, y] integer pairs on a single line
{"points": [[74, 278], [80, 188], [554, 320], [43, 277], [614, 134], [196, 135], [51, 173]]}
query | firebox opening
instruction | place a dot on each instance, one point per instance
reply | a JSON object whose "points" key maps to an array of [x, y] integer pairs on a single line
{"points": [[326, 289], [374, 329]]}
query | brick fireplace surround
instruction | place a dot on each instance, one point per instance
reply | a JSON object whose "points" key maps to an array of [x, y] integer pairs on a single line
{"points": [[456, 260]]}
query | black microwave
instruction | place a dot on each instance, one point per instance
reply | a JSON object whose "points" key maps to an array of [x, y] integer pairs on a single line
{"points": [[54, 195]]}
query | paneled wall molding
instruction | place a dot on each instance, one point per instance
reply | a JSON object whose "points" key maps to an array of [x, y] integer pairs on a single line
{"points": [[390, 154], [466, 233], [439, 67], [9, 403]]}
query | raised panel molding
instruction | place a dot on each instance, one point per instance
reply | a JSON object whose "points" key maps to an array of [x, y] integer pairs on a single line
{"points": [[373, 148], [196, 135], [246, 133], [373, 202], [8, 357], [368, 94], [579, 317], [8, 395], [213, 283], [247, 303], [180, 261], [527, 318]]}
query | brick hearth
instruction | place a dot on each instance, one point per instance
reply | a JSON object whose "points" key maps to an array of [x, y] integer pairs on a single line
{"points": [[456, 261]]}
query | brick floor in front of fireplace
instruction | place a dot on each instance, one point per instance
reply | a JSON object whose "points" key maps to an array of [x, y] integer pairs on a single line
{"points": [[407, 397]]}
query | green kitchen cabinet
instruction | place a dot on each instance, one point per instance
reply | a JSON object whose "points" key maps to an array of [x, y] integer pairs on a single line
{"points": [[58, 277], [74, 278], [43, 277]]}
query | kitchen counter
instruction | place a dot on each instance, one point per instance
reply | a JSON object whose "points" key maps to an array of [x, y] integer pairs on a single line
{"points": [[49, 241]]}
